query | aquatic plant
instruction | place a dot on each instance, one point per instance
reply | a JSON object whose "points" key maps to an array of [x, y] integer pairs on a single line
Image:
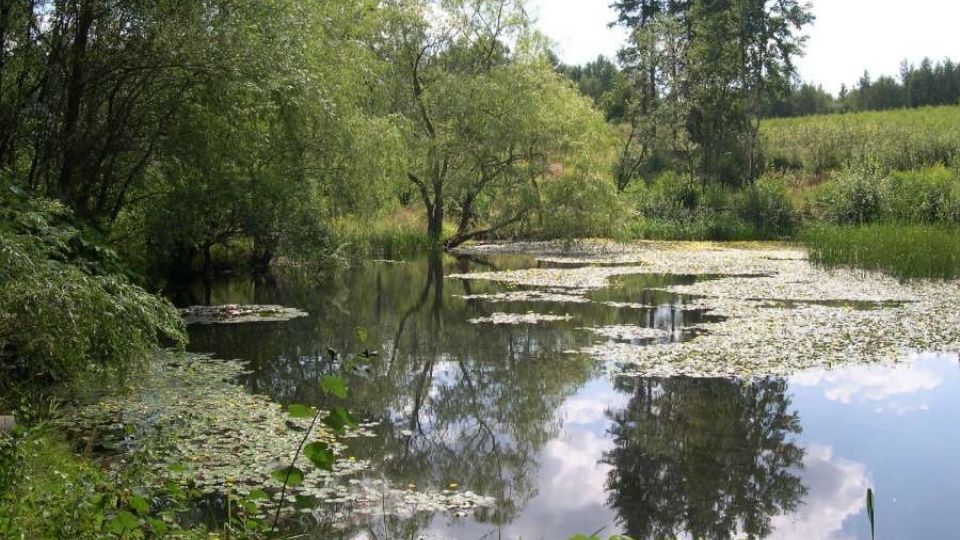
{"points": [[777, 313], [908, 252], [234, 314]]}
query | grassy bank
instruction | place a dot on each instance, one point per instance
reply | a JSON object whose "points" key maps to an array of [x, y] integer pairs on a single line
{"points": [[387, 235], [904, 251]]}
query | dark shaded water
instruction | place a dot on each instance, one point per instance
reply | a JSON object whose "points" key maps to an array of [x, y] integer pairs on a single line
{"points": [[507, 411]]}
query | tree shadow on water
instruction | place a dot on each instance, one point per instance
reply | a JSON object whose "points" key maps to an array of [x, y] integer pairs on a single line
{"points": [[710, 458]]}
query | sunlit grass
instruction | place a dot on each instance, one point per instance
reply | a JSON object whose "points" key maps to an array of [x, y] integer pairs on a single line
{"points": [[904, 251]]}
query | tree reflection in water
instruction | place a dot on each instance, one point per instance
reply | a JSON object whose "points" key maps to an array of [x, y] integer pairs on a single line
{"points": [[711, 458], [459, 402]]}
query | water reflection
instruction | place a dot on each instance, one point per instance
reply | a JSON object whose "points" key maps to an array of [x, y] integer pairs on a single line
{"points": [[507, 411], [714, 458]]}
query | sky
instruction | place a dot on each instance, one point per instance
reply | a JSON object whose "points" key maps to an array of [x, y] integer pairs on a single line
{"points": [[847, 37]]}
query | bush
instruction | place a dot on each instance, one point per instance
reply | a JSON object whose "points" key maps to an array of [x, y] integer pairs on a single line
{"points": [[766, 206], [928, 196], [65, 309], [575, 206], [853, 197]]}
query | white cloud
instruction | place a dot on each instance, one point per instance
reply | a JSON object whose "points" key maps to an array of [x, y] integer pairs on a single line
{"points": [[836, 492], [858, 384]]}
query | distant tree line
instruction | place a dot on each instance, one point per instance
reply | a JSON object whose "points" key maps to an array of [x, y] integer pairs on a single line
{"points": [[926, 84]]}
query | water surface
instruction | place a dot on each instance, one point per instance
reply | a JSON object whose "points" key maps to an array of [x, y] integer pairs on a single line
{"points": [[510, 411]]}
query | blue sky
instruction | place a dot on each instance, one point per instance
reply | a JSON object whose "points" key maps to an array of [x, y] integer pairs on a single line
{"points": [[848, 36]]}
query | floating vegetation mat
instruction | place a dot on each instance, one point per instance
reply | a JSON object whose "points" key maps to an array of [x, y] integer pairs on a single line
{"points": [[520, 318], [234, 314], [531, 296], [778, 314], [203, 431], [629, 333]]}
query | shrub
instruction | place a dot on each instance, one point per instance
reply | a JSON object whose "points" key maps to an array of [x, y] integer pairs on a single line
{"points": [[766, 206], [64, 307], [579, 206], [929, 196], [853, 197]]}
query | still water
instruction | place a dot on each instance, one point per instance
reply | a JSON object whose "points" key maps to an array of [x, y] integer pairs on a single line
{"points": [[508, 411]]}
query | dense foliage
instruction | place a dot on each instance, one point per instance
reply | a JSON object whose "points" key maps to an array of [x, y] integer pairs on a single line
{"points": [[65, 307]]}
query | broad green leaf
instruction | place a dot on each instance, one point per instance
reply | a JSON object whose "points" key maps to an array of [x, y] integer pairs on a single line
{"points": [[335, 386], [157, 526], [300, 411], [257, 495], [123, 522], [362, 334], [140, 505], [291, 476], [320, 455], [339, 419]]}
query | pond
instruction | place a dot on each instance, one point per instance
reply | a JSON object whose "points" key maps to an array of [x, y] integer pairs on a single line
{"points": [[472, 392]]}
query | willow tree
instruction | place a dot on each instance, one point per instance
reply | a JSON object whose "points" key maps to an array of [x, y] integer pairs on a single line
{"points": [[484, 114], [285, 134]]}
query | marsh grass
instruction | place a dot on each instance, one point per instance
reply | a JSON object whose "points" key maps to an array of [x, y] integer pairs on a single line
{"points": [[394, 235], [906, 252]]}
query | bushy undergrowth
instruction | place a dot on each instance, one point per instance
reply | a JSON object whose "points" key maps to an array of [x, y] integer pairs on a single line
{"points": [[904, 251], [894, 140], [865, 195], [678, 207], [65, 306]]}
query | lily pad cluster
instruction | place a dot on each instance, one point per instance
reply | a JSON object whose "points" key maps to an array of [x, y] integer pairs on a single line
{"points": [[778, 314], [235, 313], [207, 433], [546, 296], [520, 318]]}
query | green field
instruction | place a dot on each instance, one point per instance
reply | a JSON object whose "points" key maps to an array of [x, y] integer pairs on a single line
{"points": [[900, 140]]}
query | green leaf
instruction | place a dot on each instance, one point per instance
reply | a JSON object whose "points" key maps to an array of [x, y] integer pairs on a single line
{"points": [[176, 467], [339, 419], [158, 527], [300, 411], [362, 334], [257, 495], [140, 504], [335, 386], [123, 522], [291, 476], [320, 455]]}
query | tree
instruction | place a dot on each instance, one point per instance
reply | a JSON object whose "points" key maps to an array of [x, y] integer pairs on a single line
{"points": [[657, 135], [484, 114], [736, 56]]}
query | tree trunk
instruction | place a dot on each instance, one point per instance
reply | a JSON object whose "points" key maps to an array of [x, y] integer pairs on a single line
{"points": [[435, 214], [75, 90]]}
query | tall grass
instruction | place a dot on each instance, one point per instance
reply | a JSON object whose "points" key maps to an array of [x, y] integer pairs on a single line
{"points": [[394, 235], [905, 251], [894, 140]]}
